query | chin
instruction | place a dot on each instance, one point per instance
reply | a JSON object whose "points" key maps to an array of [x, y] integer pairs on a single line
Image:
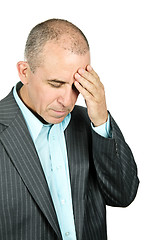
{"points": [[52, 120]]}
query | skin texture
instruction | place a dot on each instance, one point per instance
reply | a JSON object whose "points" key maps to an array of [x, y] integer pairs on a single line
{"points": [[52, 90]]}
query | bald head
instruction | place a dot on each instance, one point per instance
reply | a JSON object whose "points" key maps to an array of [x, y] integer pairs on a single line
{"points": [[60, 32]]}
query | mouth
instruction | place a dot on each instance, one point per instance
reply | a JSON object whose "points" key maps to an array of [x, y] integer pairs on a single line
{"points": [[59, 113]]}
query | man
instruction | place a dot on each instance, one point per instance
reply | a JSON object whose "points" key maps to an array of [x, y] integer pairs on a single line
{"points": [[60, 164]]}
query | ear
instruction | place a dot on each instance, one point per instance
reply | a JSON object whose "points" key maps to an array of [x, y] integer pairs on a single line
{"points": [[23, 71]]}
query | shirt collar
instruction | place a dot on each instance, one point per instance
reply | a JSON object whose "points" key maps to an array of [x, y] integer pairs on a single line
{"points": [[33, 123]]}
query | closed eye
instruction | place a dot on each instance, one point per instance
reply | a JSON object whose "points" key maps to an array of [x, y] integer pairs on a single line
{"points": [[56, 83]]}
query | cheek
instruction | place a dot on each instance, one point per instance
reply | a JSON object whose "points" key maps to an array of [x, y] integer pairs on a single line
{"points": [[42, 97], [46, 99]]}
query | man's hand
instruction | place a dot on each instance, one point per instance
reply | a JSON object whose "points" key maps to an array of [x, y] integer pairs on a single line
{"points": [[89, 85]]}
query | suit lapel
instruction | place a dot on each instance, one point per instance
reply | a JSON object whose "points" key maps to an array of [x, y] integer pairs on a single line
{"points": [[19, 146], [78, 166]]}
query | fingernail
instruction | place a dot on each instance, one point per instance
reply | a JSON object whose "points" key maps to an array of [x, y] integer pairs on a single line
{"points": [[89, 68], [81, 71], [77, 76]]}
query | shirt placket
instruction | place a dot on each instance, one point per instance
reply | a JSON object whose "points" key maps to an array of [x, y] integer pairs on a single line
{"points": [[59, 183]]}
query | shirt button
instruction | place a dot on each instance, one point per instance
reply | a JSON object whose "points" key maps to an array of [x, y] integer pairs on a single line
{"points": [[58, 167], [67, 234], [63, 201]]}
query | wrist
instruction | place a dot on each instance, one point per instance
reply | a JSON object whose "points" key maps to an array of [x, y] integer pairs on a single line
{"points": [[100, 122]]}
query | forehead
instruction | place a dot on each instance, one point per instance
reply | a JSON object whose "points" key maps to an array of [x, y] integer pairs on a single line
{"points": [[57, 60]]}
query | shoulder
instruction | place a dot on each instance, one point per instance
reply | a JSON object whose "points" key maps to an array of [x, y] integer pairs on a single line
{"points": [[8, 109], [6, 102]]}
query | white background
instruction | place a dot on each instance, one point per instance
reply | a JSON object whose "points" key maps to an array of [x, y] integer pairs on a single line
{"points": [[124, 38]]}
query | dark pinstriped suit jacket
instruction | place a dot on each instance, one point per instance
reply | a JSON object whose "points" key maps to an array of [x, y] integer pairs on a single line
{"points": [[102, 171]]}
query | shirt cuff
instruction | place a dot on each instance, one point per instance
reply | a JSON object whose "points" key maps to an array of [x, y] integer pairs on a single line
{"points": [[104, 130]]}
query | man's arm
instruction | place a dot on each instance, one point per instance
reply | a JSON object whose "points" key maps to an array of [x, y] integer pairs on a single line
{"points": [[114, 162], [115, 167]]}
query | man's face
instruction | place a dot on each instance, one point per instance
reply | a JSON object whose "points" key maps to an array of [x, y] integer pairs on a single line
{"points": [[50, 91]]}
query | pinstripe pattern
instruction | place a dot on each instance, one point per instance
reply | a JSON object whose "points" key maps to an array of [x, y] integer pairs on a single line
{"points": [[102, 171]]}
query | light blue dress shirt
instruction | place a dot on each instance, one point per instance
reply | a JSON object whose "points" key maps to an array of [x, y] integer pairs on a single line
{"points": [[50, 144]]}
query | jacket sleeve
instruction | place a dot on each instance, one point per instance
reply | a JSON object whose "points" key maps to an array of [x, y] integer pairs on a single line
{"points": [[115, 167]]}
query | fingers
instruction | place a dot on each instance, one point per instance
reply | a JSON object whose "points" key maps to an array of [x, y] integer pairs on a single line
{"points": [[90, 70], [87, 82], [89, 85], [85, 93], [89, 74]]}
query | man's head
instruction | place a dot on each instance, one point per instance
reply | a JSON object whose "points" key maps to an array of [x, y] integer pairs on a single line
{"points": [[61, 32], [54, 51]]}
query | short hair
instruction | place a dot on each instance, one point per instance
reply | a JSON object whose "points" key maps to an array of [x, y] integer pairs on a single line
{"points": [[53, 29]]}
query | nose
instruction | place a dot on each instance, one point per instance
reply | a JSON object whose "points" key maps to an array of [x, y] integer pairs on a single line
{"points": [[66, 97]]}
